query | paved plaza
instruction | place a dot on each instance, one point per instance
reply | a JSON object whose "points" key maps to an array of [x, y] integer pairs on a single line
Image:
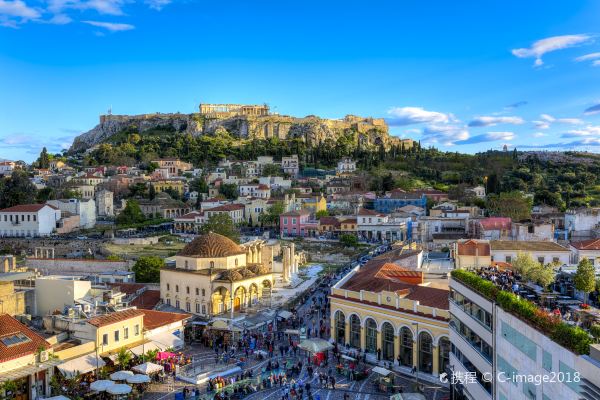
{"points": [[364, 389]]}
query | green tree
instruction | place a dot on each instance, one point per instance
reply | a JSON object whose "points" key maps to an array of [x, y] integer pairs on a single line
{"points": [[272, 170], [229, 190], [123, 358], [45, 194], [151, 192], [525, 266], [44, 159], [131, 214], [147, 269], [199, 185], [510, 204], [585, 277], [543, 275], [17, 189], [223, 225], [349, 240], [271, 216], [322, 213]]}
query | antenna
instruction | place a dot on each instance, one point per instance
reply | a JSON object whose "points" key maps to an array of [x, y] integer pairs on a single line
{"points": [[110, 110]]}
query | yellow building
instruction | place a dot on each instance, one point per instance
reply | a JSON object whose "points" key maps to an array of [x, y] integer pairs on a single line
{"points": [[162, 185], [215, 276], [348, 225], [472, 253], [313, 203], [382, 308]]}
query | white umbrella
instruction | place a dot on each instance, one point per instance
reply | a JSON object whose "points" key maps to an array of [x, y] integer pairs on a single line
{"points": [[101, 385], [147, 368], [119, 388], [315, 345], [120, 375], [138, 378], [61, 397]]}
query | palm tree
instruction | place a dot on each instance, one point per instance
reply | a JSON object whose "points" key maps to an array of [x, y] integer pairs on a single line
{"points": [[123, 358]]}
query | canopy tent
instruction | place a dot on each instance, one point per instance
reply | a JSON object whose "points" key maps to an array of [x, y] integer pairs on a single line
{"points": [[381, 371], [138, 378], [120, 375], [167, 340], [101, 385], [292, 332], [345, 357], [163, 355], [80, 365], [315, 345], [144, 348], [119, 388], [284, 314], [147, 368]]}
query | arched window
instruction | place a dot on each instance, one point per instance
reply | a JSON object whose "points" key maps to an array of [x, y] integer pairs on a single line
{"points": [[387, 341], [354, 331], [236, 262], [371, 336], [212, 264], [444, 349], [425, 353], [406, 346], [340, 327]]}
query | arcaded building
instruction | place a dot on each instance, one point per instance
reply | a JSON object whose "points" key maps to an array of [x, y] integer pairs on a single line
{"points": [[215, 276]]}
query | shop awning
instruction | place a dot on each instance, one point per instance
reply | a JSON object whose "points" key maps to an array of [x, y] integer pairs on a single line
{"points": [[81, 365], [381, 371], [284, 314], [166, 340], [27, 370], [144, 348]]}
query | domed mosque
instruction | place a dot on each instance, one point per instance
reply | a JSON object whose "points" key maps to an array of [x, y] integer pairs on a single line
{"points": [[214, 275]]}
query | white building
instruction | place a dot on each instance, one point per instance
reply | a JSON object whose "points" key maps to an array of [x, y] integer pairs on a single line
{"points": [[509, 357], [589, 249], [29, 220], [7, 167], [275, 182], [346, 166], [86, 209], [581, 223], [59, 292], [255, 190], [290, 165], [374, 226], [542, 252], [105, 203]]}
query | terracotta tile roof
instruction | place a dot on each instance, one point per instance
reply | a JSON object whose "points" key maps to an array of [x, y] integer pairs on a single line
{"points": [[147, 300], [380, 275], [329, 221], [113, 318], [526, 246], [154, 319], [228, 207], [9, 327], [591, 244], [27, 208], [473, 247], [364, 211], [495, 223], [296, 213]]}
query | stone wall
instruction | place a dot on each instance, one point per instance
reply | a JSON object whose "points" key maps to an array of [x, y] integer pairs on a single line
{"points": [[62, 248], [68, 266]]}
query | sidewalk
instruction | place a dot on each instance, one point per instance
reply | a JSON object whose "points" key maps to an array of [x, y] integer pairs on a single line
{"points": [[406, 371]]}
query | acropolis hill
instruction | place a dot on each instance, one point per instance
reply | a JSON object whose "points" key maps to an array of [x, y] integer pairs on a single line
{"points": [[245, 122]]}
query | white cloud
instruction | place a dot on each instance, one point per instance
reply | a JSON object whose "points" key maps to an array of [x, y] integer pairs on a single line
{"points": [[111, 26], [587, 57], [539, 134], [596, 63], [547, 45], [495, 120], [550, 119], [18, 8], [416, 115], [445, 135], [488, 137], [60, 19], [590, 130], [157, 4], [500, 135], [106, 7]]}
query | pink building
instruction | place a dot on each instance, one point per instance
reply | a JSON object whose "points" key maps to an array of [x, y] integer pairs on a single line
{"points": [[297, 223]]}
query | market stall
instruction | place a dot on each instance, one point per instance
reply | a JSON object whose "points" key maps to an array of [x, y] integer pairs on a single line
{"points": [[384, 382]]}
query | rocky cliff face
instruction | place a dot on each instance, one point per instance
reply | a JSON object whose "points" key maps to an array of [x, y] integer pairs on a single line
{"points": [[311, 129]]}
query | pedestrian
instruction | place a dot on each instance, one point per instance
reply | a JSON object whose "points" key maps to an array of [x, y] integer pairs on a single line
{"points": [[399, 360], [413, 370], [378, 354]]}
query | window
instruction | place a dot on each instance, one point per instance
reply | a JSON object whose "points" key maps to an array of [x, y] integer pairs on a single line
{"points": [[116, 336], [508, 259], [197, 308], [186, 264], [168, 287], [187, 289], [204, 309], [212, 264], [125, 333], [177, 288], [284, 221], [541, 260], [12, 340], [177, 303], [136, 330], [557, 260], [547, 360], [105, 339], [197, 292], [168, 301], [293, 221], [188, 307], [203, 292]]}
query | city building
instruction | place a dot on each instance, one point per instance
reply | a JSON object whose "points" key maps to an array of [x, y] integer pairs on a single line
{"points": [[543, 252], [105, 203], [383, 308], [235, 212], [297, 223], [170, 185], [255, 190], [345, 167], [164, 206], [56, 293], [375, 226], [7, 167], [472, 253], [213, 275], [589, 249], [396, 199], [29, 220], [188, 223], [174, 165], [291, 165], [85, 209], [497, 354]]}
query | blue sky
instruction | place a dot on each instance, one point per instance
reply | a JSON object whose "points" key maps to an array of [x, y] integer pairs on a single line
{"points": [[464, 76]]}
